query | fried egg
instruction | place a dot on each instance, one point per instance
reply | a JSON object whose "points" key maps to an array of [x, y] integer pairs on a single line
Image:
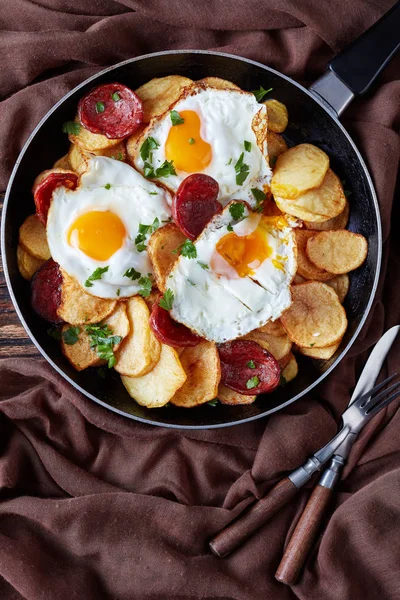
{"points": [[219, 132], [96, 227], [240, 277]]}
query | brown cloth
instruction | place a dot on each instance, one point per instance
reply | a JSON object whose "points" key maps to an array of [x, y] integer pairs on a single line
{"points": [[97, 507]]}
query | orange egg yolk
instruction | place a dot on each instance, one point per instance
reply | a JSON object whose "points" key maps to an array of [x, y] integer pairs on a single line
{"points": [[185, 145], [245, 253], [99, 234]]}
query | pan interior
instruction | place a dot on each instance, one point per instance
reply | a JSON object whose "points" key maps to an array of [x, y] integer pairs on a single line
{"points": [[308, 122]]}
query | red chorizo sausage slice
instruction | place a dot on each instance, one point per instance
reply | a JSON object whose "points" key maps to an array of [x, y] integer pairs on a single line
{"points": [[247, 368], [44, 186], [111, 109], [46, 291], [169, 331], [195, 203]]}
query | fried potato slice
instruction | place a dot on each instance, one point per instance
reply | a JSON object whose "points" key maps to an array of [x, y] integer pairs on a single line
{"points": [[203, 370], [291, 369], [305, 267], [91, 142], [340, 251], [297, 170], [277, 346], [133, 144], [217, 82], [320, 353], [276, 146], [278, 117], [232, 398], [159, 93], [156, 388], [160, 250], [315, 315], [339, 222], [340, 284], [298, 278], [62, 163], [81, 355], [274, 328], [33, 239], [79, 158], [153, 298], [319, 204], [27, 264], [140, 351], [77, 307]]}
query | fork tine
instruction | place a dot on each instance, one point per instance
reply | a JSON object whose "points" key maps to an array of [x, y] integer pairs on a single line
{"points": [[375, 389], [375, 409], [374, 401]]}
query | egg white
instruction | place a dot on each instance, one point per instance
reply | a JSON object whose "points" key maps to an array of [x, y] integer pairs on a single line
{"points": [[224, 307], [132, 198], [226, 123]]}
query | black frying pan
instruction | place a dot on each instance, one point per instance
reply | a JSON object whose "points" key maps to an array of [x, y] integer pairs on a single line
{"points": [[313, 118]]}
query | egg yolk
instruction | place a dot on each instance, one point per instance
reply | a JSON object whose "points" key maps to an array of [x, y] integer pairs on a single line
{"points": [[245, 253], [185, 145], [99, 234]]}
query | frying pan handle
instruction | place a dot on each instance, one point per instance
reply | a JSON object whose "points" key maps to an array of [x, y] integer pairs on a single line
{"points": [[354, 70]]}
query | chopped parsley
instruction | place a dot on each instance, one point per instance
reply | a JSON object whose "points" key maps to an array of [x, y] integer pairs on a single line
{"points": [[176, 118], [272, 161], [247, 146], [191, 141], [260, 198], [237, 210], [97, 274], [120, 156], [229, 162], [146, 285], [71, 127], [71, 335], [252, 382], [118, 291], [115, 96], [143, 231], [213, 402], [251, 364], [165, 170], [261, 93], [132, 274], [102, 342], [313, 344], [203, 265], [99, 107], [241, 170], [54, 332], [191, 282], [167, 300], [187, 249], [108, 186], [153, 193], [229, 227], [146, 148]]}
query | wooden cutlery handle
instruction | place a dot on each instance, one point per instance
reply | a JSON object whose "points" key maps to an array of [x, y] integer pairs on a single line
{"points": [[303, 536], [235, 534]]}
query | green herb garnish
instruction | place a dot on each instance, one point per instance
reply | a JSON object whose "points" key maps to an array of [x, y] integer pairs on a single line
{"points": [[71, 335], [146, 148], [102, 372], [213, 402], [146, 285], [282, 381], [187, 249], [54, 332], [176, 118], [97, 274], [115, 96], [71, 127], [247, 146], [108, 186], [251, 364], [191, 141], [167, 300], [143, 231], [229, 227], [118, 291], [241, 170], [103, 342], [229, 162], [164, 170], [252, 382], [237, 210], [260, 198], [99, 107], [192, 283], [132, 274], [203, 265], [259, 94]]}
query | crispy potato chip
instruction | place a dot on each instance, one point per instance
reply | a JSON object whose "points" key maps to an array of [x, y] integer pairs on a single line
{"points": [[62, 163], [315, 315], [276, 146], [27, 264], [291, 369], [305, 267], [340, 251], [81, 355], [77, 307], [78, 158], [33, 239], [203, 370], [159, 93], [298, 278], [277, 346], [217, 82], [91, 142], [160, 250], [339, 222], [340, 284], [232, 398], [273, 328], [319, 204], [277, 115], [320, 353], [117, 152], [156, 388], [140, 351], [133, 144], [297, 170]]}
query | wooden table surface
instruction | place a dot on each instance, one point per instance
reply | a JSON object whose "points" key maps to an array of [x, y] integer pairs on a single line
{"points": [[14, 341]]}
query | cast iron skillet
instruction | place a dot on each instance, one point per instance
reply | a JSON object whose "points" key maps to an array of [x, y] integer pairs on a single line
{"points": [[313, 118]]}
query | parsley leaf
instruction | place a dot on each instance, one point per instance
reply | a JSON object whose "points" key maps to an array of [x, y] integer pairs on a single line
{"points": [[143, 230], [251, 364], [188, 249], [176, 118], [132, 274], [237, 210], [108, 186], [191, 141], [118, 291], [115, 96], [71, 127], [102, 341], [54, 332], [153, 193], [203, 265], [272, 161], [213, 402], [229, 162], [192, 283], [97, 274], [229, 227], [146, 284], [247, 146], [71, 335], [100, 107], [259, 94], [242, 170], [167, 300], [148, 145], [165, 170], [252, 382], [120, 156], [260, 197]]}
